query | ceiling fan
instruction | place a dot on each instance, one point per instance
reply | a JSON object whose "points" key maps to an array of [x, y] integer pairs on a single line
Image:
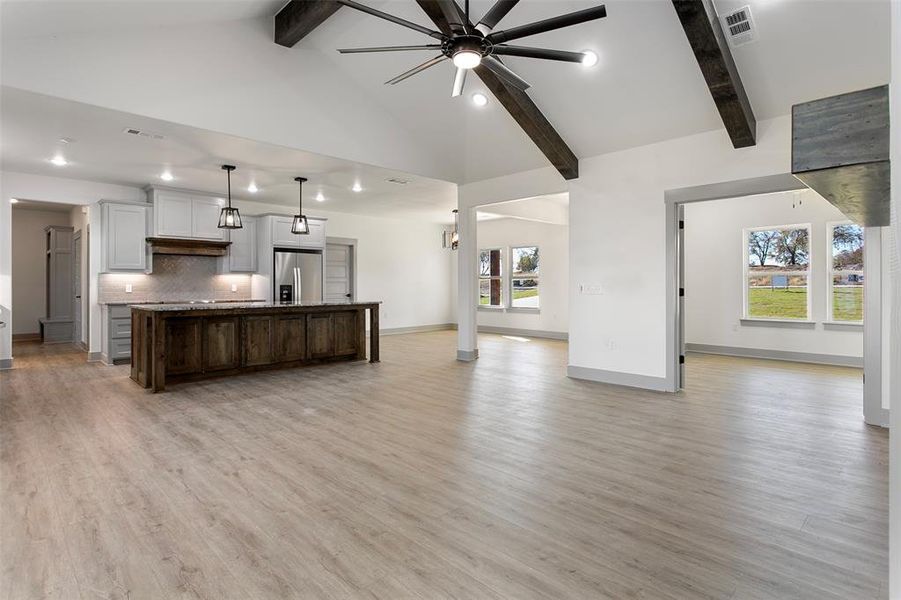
{"points": [[469, 46]]}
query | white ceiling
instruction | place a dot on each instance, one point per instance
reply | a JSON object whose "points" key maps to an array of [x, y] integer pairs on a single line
{"points": [[646, 88], [33, 125]]}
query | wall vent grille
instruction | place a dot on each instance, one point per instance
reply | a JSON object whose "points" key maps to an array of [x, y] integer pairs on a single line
{"points": [[143, 134]]}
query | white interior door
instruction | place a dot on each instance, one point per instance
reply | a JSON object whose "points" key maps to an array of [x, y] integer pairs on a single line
{"points": [[339, 272], [76, 285]]}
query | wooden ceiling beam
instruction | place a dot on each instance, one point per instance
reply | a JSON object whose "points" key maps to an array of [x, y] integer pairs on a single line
{"points": [[711, 50], [299, 17], [446, 13]]}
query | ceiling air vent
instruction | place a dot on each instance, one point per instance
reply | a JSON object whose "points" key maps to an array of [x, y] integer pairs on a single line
{"points": [[398, 181], [143, 134], [740, 27]]}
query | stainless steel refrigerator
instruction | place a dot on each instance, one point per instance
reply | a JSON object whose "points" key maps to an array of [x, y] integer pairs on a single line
{"points": [[298, 275]]}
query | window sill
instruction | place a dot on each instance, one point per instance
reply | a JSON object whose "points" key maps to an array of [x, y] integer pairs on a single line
{"points": [[783, 323], [840, 325], [524, 309], [490, 308]]}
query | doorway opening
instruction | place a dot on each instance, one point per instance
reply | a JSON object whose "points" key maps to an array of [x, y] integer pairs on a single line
{"points": [[767, 269]]}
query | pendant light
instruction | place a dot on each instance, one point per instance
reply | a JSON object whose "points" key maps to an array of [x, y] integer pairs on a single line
{"points": [[300, 225], [229, 218]]}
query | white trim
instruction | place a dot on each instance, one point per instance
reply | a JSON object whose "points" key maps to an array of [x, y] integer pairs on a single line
{"points": [[535, 333], [764, 322], [6, 364], [645, 382], [467, 355], [785, 355], [416, 329]]}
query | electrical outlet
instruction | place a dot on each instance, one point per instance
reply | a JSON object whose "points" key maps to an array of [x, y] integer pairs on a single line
{"points": [[128, 288], [611, 344], [234, 287]]}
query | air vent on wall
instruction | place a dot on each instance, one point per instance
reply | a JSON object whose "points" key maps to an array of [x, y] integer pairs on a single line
{"points": [[142, 133], [740, 27]]}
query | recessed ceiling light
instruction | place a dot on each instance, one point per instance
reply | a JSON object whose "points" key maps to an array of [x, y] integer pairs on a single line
{"points": [[320, 197], [13, 200], [479, 99], [59, 160], [589, 58], [357, 187], [166, 176], [252, 188]]}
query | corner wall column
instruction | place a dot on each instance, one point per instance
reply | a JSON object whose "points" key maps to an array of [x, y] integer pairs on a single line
{"points": [[467, 294], [6, 290]]}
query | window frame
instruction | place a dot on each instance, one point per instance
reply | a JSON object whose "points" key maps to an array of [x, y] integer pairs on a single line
{"points": [[746, 269], [831, 272], [506, 280], [536, 277], [504, 295]]}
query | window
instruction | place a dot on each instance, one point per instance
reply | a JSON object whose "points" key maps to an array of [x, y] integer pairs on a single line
{"points": [[845, 295], [491, 278], [525, 277], [778, 270]]}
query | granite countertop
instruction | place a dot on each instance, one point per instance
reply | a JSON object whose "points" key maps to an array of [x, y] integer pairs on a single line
{"points": [[245, 305], [172, 302]]}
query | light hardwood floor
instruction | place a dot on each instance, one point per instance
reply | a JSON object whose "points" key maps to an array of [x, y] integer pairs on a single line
{"points": [[423, 477]]}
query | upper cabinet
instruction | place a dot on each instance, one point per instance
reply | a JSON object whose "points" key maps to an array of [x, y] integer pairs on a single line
{"points": [[124, 229], [184, 215], [283, 238], [242, 254]]}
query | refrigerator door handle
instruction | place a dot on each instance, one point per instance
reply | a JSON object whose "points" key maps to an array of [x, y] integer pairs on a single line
{"points": [[297, 284]]}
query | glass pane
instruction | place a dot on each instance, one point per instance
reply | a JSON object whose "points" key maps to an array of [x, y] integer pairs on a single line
{"points": [[776, 296], [490, 292], [525, 293], [847, 297], [525, 261], [779, 249], [847, 247], [489, 263]]}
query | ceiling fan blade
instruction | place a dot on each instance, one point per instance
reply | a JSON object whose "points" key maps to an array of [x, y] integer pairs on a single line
{"points": [[563, 55], [389, 49], [495, 14], [417, 69], [397, 20], [456, 17], [501, 70], [459, 82], [574, 18]]}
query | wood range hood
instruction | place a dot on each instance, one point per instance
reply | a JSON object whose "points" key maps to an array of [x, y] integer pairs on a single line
{"points": [[183, 247]]}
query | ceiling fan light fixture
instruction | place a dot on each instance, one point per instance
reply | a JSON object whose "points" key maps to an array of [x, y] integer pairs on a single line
{"points": [[589, 58], [467, 59]]}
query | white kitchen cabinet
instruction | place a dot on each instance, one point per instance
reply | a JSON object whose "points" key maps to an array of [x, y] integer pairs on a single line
{"points": [[205, 218], [242, 253], [185, 215], [283, 238], [124, 230], [172, 214]]}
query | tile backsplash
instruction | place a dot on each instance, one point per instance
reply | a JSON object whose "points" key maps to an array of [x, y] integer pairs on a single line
{"points": [[174, 278]]}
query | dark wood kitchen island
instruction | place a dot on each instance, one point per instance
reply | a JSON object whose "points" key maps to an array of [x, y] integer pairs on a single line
{"points": [[184, 342]]}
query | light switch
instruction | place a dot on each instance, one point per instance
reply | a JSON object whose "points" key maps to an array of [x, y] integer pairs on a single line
{"points": [[234, 287], [591, 289], [127, 288]]}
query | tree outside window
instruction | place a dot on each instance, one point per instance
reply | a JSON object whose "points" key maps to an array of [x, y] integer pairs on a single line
{"points": [[525, 277], [490, 277]]}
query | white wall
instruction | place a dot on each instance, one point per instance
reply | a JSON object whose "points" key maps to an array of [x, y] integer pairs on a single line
{"points": [[553, 243], [895, 333], [29, 285], [714, 257]]}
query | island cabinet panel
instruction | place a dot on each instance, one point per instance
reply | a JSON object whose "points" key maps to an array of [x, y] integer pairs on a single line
{"points": [[291, 337], [321, 335], [186, 342], [259, 340], [183, 344], [346, 333], [220, 344]]}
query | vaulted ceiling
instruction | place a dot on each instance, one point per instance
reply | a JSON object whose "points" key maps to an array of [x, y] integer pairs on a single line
{"points": [[646, 88]]}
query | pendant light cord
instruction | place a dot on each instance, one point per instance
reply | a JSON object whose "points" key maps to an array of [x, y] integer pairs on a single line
{"points": [[229, 174]]}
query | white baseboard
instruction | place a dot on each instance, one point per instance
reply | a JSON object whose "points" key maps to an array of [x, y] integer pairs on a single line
{"points": [[645, 382], [416, 329], [95, 357], [6, 363], [467, 355], [802, 357], [535, 333]]}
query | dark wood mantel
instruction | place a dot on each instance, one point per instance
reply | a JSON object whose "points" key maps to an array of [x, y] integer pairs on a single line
{"points": [[178, 342]]}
